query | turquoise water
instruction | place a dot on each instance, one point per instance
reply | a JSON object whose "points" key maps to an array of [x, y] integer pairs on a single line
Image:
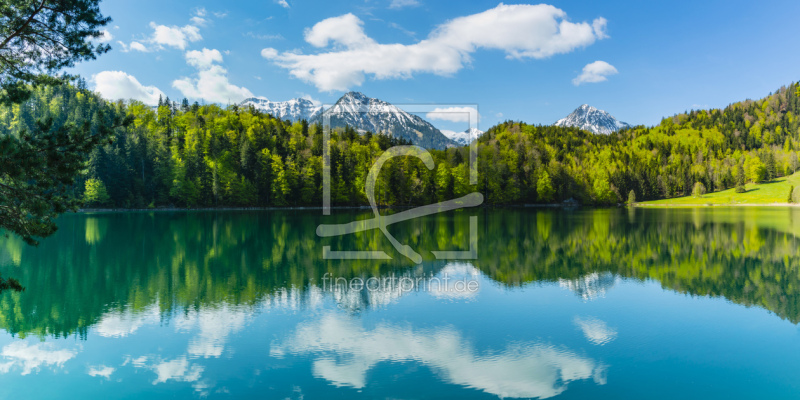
{"points": [[609, 303]]}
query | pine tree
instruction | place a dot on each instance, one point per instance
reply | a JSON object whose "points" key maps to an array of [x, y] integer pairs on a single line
{"points": [[632, 197], [740, 179], [38, 166]]}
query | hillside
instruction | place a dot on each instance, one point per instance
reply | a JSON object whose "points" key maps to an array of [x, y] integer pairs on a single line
{"points": [[774, 192], [201, 156]]}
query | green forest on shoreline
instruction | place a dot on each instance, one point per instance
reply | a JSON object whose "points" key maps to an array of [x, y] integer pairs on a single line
{"points": [[188, 156]]}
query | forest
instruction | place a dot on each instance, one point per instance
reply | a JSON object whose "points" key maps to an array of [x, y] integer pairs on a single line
{"points": [[187, 155]]}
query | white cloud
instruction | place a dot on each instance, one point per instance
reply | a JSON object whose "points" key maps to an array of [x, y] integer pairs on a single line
{"points": [[521, 31], [282, 3], [403, 3], [174, 36], [101, 370], [211, 83], [344, 352], [202, 59], [455, 114], [30, 357], [597, 71], [596, 331], [119, 85], [199, 21], [106, 37]]}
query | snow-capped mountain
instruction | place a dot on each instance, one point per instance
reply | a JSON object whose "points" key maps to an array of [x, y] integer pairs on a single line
{"points": [[593, 120], [293, 110], [463, 138], [364, 113]]}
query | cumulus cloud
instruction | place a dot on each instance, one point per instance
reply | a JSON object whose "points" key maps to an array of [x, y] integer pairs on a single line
{"points": [[282, 3], [597, 71], [119, 85], [347, 54], [174, 36], [211, 83], [202, 59], [403, 3], [455, 114]]}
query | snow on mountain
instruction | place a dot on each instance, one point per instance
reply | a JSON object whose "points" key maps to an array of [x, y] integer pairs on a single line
{"points": [[293, 110], [463, 138], [364, 113], [593, 120]]}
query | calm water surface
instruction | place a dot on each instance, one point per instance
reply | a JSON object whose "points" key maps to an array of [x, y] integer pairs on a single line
{"points": [[657, 304]]}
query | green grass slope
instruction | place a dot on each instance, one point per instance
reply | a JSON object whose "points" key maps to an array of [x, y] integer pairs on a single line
{"points": [[776, 191]]}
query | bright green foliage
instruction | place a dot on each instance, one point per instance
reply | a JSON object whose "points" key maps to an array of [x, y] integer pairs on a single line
{"points": [[699, 189], [632, 197], [758, 171], [796, 195], [544, 187], [95, 193], [206, 156]]}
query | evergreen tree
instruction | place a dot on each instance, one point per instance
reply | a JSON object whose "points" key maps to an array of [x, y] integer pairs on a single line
{"points": [[39, 165], [632, 197]]}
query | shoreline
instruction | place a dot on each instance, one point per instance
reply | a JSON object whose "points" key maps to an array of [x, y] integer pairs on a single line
{"points": [[556, 205], [301, 208], [697, 205]]}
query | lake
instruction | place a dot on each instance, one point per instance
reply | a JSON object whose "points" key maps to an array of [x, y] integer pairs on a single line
{"points": [[696, 303]]}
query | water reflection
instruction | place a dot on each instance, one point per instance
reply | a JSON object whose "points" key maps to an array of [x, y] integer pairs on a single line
{"points": [[30, 357], [344, 351], [180, 299]]}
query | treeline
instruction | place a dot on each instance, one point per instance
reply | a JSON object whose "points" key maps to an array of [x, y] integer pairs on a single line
{"points": [[750, 141], [187, 155]]}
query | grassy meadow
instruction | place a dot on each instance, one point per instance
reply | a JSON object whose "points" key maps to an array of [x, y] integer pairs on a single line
{"points": [[773, 192]]}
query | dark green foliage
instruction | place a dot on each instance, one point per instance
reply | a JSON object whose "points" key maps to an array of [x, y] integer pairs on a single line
{"points": [[789, 199], [38, 38], [40, 157]]}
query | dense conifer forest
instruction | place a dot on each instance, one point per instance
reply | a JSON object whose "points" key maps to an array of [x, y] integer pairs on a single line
{"points": [[187, 155]]}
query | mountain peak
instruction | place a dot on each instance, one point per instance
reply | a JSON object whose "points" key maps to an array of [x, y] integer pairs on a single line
{"points": [[364, 113], [593, 120], [463, 138], [355, 96], [293, 110]]}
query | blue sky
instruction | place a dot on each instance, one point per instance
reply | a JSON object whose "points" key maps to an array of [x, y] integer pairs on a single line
{"points": [[669, 56]]}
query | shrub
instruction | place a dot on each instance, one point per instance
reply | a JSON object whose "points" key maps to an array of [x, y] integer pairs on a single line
{"points": [[796, 195], [699, 189], [631, 197]]}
